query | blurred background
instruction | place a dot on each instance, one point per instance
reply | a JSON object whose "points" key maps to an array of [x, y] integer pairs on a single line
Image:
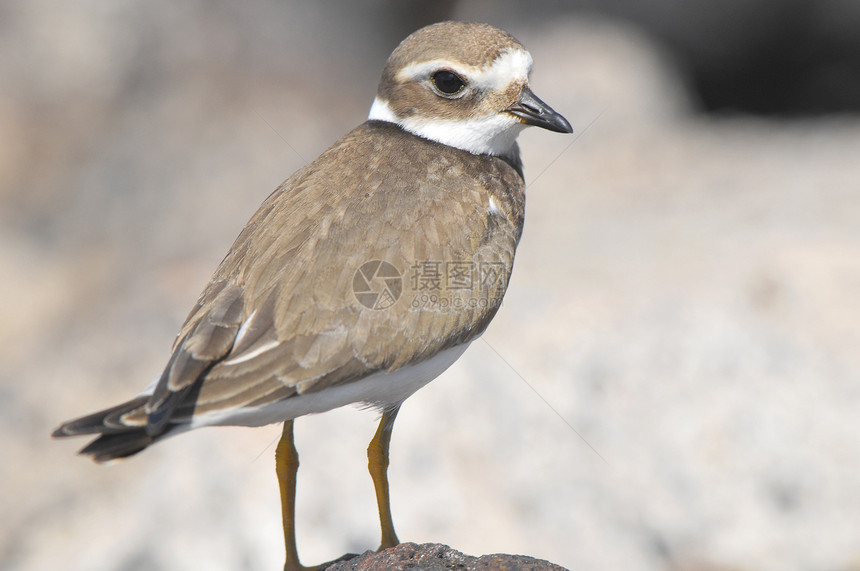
{"points": [[685, 296]]}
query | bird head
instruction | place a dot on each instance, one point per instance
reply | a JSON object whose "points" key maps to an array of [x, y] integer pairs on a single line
{"points": [[464, 85]]}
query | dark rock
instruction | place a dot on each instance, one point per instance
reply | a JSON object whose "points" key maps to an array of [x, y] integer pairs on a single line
{"points": [[436, 557]]}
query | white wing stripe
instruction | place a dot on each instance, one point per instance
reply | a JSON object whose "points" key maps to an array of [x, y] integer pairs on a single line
{"points": [[251, 354]]}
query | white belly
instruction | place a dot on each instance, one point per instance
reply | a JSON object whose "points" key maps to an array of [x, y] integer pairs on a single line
{"points": [[379, 390]]}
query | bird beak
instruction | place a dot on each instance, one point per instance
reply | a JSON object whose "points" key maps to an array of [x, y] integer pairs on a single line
{"points": [[532, 111]]}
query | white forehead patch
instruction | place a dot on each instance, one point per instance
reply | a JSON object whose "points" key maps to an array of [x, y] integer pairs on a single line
{"points": [[510, 66]]}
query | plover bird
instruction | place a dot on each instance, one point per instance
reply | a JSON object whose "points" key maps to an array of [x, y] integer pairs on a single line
{"points": [[364, 275]]}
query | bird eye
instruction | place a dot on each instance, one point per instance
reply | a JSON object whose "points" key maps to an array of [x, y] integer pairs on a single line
{"points": [[448, 82]]}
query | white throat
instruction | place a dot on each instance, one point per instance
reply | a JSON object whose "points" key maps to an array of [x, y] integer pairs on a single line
{"points": [[494, 135]]}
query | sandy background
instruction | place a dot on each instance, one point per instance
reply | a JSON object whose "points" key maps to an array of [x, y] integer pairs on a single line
{"points": [[685, 298]]}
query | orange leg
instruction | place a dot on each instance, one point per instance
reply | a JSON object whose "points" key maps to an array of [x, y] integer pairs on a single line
{"points": [[377, 462], [287, 466]]}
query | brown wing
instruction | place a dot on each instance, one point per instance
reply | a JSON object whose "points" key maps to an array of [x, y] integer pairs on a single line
{"points": [[281, 315]]}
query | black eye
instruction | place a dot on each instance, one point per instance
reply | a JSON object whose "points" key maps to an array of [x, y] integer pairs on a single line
{"points": [[447, 82]]}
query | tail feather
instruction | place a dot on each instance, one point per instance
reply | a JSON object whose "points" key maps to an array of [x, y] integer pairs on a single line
{"points": [[122, 430], [117, 419], [114, 446]]}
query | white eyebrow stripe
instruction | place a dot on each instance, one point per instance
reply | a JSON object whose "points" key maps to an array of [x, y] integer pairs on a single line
{"points": [[421, 70], [512, 65]]}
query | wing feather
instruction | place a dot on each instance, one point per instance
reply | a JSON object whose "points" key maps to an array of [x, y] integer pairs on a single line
{"points": [[280, 318]]}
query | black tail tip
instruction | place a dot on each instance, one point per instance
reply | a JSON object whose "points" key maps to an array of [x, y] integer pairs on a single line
{"points": [[108, 447], [59, 432]]}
